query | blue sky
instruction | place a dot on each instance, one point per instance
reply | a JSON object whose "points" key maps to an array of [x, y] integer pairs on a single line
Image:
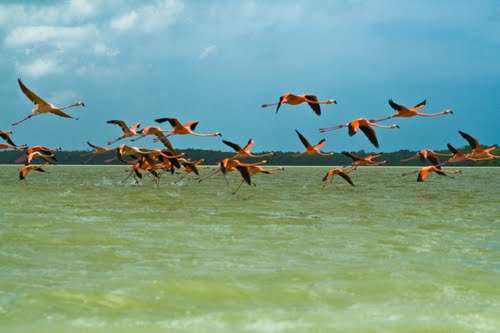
{"points": [[218, 61]]}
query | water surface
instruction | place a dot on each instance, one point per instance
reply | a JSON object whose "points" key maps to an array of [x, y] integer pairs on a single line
{"points": [[82, 250]]}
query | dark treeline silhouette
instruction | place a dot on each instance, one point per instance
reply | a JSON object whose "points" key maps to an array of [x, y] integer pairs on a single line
{"points": [[212, 157]]}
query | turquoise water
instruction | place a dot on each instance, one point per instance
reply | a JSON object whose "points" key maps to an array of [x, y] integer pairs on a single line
{"points": [[83, 251]]}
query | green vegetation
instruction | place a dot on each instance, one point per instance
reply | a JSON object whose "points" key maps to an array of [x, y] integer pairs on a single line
{"points": [[280, 158]]}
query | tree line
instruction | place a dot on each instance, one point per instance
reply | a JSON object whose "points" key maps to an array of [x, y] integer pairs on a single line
{"points": [[212, 157]]}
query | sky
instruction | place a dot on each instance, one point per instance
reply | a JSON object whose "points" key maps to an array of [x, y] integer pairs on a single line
{"points": [[217, 61]]}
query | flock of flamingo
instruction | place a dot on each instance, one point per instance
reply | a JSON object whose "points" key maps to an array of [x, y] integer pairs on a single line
{"points": [[155, 162]]}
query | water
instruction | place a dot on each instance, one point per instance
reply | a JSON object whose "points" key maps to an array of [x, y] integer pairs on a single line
{"points": [[83, 251]]}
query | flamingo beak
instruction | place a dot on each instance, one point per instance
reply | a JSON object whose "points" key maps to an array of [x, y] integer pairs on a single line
{"points": [[83, 104]]}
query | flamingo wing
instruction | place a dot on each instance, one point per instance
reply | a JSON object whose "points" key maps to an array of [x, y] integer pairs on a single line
{"points": [[93, 146], [303, 139], [419, 105], [395, 106], [471, 140], [174, 122], [280, 102], [353, 156], [353, 127], [370, 134], [192, 125], [320, 144], [60, 113], [235, 146], [6, 137], [245, 174], [434, 160], [314, 106], [249, 145], [453, 150], [31, 95], [346, 177]]}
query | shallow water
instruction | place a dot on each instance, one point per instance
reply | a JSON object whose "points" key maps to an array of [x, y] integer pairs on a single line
{"points": [[81, 250]]}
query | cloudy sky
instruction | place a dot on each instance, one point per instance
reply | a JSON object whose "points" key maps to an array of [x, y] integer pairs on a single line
{"points": [[217, 61]]}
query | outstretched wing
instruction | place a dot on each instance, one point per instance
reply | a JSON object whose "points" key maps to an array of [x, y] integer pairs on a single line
{"points": [[31, 95], [245, 174], [172, 121], [395, 106], [471, 140], [280, 102], [453, 150], [120, 123], [370, 133], [419, 105], [353, 156], [303, 139], [6, 137], [314, 106], [235, 146], [346, 177]]}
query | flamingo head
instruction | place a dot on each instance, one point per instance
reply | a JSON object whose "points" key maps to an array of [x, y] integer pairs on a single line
{"points": [[217, 134], [395, 126], [331, 101], [447, 111]]}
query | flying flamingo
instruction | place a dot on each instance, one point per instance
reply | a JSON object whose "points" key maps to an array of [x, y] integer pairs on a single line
{"points": [[344, 173], [98, 150], [187, 128], [252, 170], [423, 172], [27, 168], [245, 152], [368, 160], [158, 132], [44, 150], [42, 106], [292, 99], [403, 111], [6, 136], [48, 158], [312, 150], [478, 153], [458, 156], [228, 165], [364, 125], [127, 131], [427, 154]]}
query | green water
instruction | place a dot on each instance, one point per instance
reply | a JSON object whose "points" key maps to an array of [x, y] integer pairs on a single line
{"points": [[82, 251]]}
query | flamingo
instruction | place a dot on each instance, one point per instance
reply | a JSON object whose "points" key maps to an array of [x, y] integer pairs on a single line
{"points": [[23, 172], [127, 131], [403, 111], [187, 128], [423, 172], [344, 173], [228, 165], [427, 154], [98, 150], [6, 136], [158, 132], [44, 150], [312, 150], [368, 160], [364, 125], [457, 157], [292, 99], [247, 171], [43, 106], [9, 146], [478, 153], [245, 152], [48, 158]]}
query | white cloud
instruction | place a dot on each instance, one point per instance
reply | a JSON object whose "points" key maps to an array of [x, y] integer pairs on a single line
{"points": [[209, 50], [102, 49], [41, 67], [150, 18], [53, 35], [125, 21]]}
